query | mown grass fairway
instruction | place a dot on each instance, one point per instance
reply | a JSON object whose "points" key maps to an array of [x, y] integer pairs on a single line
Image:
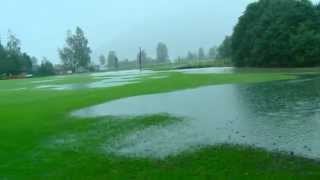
{"points": [[31, 118]]}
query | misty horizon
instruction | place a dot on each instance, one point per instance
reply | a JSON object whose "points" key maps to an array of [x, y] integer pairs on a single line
{"points": [[121, 26]]}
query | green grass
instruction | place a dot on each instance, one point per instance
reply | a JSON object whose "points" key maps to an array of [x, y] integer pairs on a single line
{"points": [[30, 119]]}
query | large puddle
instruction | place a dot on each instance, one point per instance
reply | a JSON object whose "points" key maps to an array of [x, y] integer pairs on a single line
{"points": [[210, 70], [120, 78], [104, 80], [129, 73], [110, 79], [282, 116], [109, 82]]}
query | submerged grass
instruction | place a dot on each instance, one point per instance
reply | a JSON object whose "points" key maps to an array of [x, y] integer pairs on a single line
{"points": [[30, 119]]}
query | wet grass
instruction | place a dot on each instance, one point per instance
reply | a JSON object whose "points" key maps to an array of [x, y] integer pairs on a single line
{"points": [[30, 119]]}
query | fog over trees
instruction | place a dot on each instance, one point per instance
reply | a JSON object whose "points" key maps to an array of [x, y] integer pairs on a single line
{"points": [[113, 61], [201, 54], [162, 52], [269, 33], [102, 60], [212, 52]]}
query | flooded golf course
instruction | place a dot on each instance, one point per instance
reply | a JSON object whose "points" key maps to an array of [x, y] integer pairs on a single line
{"points": [[277, 116], [101, 80], [112, 79], [121, 78]]}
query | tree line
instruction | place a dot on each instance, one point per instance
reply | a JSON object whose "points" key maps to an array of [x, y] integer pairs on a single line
{"points": [[14, 62], [112, 60], [76, 57], [162, 56], [270, 33]]}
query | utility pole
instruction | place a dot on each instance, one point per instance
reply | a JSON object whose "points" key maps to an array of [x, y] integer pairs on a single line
{"points": [[140, 59]]}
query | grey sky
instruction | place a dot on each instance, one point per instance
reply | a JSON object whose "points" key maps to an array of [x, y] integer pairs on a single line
{"points": [[120, 25]]}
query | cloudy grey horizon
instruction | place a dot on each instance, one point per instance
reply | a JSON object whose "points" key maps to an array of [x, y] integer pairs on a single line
{"points": [[120, 25]]}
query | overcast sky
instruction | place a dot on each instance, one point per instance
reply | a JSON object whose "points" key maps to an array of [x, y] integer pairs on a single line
{"points": [[120, 25]]}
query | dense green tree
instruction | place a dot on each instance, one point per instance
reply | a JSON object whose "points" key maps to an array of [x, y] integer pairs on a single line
{"points": [[26, 63], [162, 53], [76, 53], [224, 51], [3, 64], [213, 52], [277, 33], [46, 68], [2, 59], [12, 60]]}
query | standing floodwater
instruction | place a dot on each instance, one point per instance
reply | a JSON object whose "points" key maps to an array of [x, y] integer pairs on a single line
{"points": [[281, 116]]}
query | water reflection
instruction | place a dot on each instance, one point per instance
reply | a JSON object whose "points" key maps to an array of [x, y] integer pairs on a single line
{"points": [[210, 70], [281, 116], [105, 80]]}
